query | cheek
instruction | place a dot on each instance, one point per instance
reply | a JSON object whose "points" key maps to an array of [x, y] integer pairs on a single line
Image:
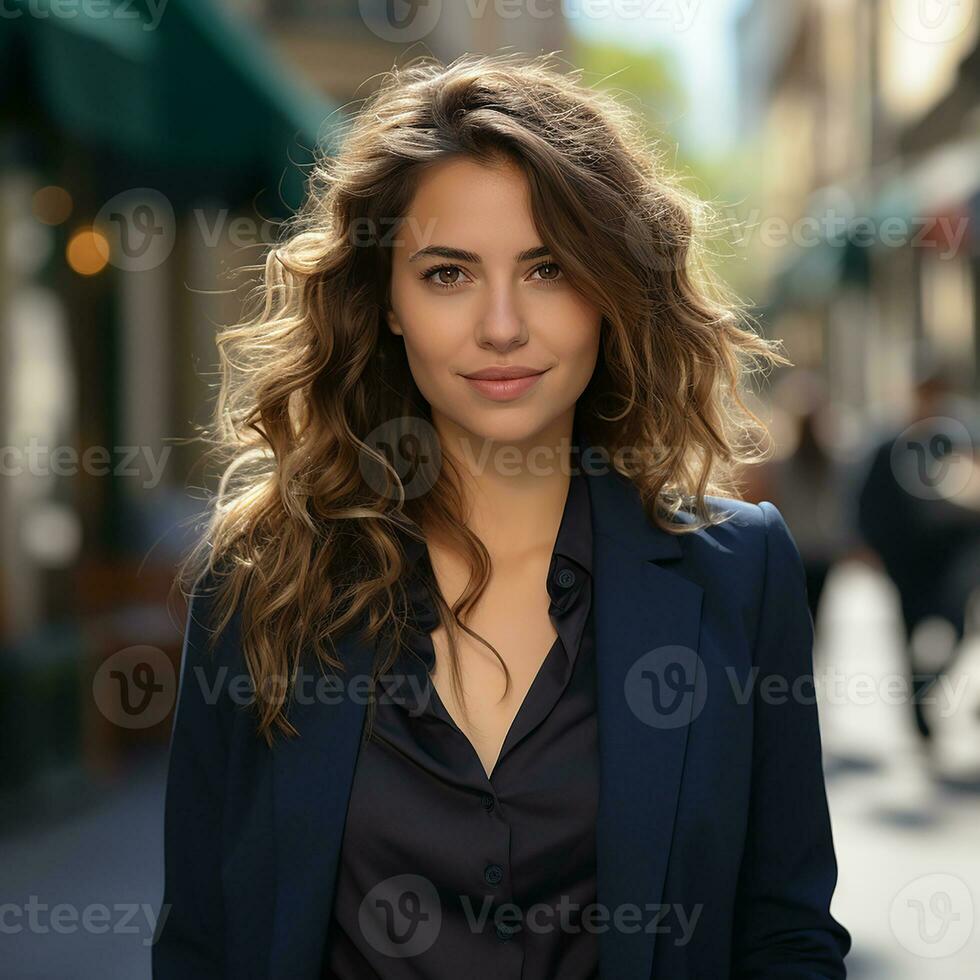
{"points": [[579, 337], [428, 348], [432, 347], [425, 324], [432, 330]]}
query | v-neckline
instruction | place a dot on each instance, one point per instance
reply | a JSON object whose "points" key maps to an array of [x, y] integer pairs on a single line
{"points": [[505, 745]]}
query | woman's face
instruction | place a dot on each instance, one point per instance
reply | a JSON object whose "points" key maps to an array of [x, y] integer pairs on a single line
{"points": [[473, 288]]}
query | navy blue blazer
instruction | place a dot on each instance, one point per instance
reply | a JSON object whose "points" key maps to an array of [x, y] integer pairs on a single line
{"points": [[714, 850]]}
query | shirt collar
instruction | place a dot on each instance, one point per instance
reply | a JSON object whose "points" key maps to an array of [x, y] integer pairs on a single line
{"points": [[574, 538]]}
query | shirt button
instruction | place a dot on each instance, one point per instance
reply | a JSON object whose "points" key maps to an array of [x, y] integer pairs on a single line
{"points": [[504, 931], [566, 578], [487, 802], [493, 874]]}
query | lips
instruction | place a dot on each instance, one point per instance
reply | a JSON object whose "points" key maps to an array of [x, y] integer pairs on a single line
{"points": [[503, 373], [504, 384]]}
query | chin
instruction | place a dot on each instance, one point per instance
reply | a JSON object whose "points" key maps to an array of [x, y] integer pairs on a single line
{"points": [[507, 426]]}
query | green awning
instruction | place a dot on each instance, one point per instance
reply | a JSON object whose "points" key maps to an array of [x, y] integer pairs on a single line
{"points": [[178, 86]]}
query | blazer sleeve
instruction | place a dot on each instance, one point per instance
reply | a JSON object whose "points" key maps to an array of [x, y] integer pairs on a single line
{"points": [[783, 928], [189, 942]]}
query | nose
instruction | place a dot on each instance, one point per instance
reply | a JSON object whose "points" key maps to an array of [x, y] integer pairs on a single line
{"points": [[501, 327]]}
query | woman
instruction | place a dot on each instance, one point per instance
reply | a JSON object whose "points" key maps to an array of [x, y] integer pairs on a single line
{"points": [[473, 675]]}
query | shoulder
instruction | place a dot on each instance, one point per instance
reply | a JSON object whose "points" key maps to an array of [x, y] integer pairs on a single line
{"points": [[740, 525], [741, 532], [749, 551], [211, 649]]}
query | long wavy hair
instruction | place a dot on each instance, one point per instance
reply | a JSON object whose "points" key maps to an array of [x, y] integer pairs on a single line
{"points": [[302, 536]]}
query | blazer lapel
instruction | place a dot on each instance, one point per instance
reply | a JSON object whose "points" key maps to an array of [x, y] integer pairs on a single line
{"points": [[647, 624], [311, 785], [647, 621]]}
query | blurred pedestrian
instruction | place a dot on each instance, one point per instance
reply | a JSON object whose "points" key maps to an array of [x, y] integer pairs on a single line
{"points": [[919, 511], [807, 482]]}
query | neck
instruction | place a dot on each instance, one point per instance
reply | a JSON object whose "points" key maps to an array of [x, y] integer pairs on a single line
{"points": [[514, 491]]}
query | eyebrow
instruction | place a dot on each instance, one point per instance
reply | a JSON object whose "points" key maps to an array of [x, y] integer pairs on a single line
{"points": [[461, 255]]}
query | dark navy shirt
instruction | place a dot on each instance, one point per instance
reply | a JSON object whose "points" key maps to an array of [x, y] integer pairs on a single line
{"points": [[446, 873]]}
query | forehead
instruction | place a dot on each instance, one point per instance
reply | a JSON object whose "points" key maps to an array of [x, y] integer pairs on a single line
{"points": [[468, 204]]}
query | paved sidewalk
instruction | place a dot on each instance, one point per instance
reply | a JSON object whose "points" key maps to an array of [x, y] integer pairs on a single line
{"points": [[105, 864], [906, 827]]}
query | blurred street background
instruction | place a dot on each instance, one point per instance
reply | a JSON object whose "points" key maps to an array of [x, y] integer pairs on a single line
{"points": [[149, 151]]}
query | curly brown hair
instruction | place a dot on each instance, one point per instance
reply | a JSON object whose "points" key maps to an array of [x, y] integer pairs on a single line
{"points": [[297, 538]]}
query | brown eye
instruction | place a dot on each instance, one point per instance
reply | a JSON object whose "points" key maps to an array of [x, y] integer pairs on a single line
{"points": [[555, 271], [451, 272]]}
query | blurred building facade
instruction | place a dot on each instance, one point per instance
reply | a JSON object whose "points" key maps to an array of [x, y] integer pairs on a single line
{"points": [[864, 115], [141, 164], [342, 46]]}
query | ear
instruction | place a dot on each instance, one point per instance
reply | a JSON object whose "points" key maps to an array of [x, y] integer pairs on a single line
{"points": [[393, 323]]}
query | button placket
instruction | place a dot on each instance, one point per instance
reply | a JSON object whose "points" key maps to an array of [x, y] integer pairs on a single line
{"points": [[496, 875]]}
